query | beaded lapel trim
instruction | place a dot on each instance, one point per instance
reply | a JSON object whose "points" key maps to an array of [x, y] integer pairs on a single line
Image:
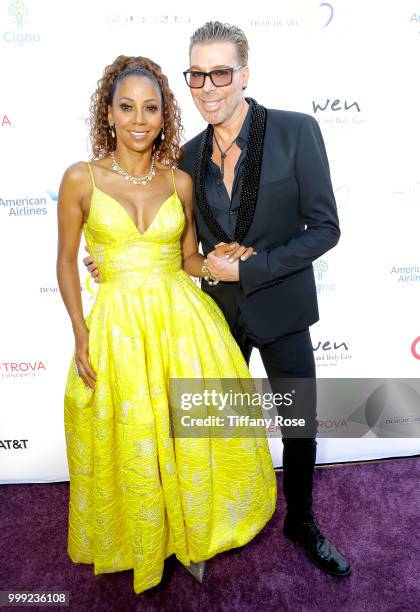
{"points": [[250, 178]]}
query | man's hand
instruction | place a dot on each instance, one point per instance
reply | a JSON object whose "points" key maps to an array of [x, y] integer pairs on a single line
{"points": [[234, 251], [223, 261], [91, 266]]}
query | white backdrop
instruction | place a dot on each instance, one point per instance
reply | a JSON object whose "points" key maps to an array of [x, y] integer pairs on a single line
{"points": [[352, 64]]}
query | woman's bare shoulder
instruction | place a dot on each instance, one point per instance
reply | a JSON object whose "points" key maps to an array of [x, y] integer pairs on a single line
{"points": [[77, 180], [184, 187], [183, 179]]}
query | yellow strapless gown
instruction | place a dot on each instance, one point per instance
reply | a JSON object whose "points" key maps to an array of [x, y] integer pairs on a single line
{"points": [[136, 494]]}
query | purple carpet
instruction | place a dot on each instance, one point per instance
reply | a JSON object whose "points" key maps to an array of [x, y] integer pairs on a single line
{"points": [[371, 511]]}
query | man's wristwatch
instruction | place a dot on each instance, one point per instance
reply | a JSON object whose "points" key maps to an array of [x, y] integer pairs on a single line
{"points": [[207, 275]]}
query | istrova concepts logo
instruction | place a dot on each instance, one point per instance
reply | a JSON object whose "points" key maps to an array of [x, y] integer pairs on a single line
{"points": [[19, 35], [21, 369]]}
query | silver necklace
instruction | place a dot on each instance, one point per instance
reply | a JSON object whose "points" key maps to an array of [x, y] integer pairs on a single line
{"points": [[223, 154], [142, 180]]}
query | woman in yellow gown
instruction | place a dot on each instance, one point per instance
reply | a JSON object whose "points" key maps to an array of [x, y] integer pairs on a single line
{"points": [[138, 495]]}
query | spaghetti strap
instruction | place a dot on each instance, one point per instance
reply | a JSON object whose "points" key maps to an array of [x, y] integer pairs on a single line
{"points": [[173, 181], [91, 174]]}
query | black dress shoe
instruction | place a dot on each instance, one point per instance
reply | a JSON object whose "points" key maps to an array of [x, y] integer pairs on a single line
{"points": [[318, 548]]}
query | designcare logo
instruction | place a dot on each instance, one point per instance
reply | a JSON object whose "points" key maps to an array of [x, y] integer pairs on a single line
{"points": [[392, 409], [27, 205], [18, 32], [13, 444], [22, 369], [53, 289], [313, 16], [323, 285]]}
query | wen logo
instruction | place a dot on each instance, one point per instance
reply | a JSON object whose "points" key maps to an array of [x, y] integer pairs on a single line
{"points": [[334, 105], [328, 346]]}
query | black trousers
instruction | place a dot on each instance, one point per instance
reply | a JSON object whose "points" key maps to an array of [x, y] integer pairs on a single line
{"points": [[289, 357]]}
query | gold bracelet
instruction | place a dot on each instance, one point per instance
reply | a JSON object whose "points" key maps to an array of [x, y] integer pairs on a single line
{"points": [[207, 275]]}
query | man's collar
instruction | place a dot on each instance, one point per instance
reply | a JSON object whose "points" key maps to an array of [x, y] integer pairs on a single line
{"points": [[242, 137]]}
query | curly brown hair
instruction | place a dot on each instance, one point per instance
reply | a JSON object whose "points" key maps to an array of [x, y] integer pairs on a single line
{"points": [[166, 151]]}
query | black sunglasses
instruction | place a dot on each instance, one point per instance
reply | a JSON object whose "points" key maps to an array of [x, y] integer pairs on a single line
{"points": [[220, 77]]}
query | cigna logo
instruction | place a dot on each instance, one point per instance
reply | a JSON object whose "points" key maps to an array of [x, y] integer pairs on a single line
{"points": [[18, 34], [320, 270], [415, 348], [19, 369]]}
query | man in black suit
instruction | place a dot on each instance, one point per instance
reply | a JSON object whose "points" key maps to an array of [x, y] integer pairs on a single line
{"points": [[261, 178]]}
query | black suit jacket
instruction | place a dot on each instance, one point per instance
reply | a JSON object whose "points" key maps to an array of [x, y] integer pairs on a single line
{"points": [[295, 221]]}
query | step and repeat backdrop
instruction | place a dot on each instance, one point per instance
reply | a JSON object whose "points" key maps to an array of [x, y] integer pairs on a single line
{"points": [[351, 64]]}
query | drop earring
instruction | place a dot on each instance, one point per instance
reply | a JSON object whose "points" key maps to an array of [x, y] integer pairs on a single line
{"points": [[111, 127], [162, 135]]}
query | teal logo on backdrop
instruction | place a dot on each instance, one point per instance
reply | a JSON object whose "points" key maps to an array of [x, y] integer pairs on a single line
{"points": [[323, 282], [18, 32]]}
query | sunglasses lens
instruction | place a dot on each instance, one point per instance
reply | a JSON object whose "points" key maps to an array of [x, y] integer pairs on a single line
{"points": [[221, 77], [195, 79]]}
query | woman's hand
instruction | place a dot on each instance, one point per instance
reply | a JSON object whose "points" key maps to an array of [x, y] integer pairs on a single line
{"points": [[92, 266], [233, 251], [82, 360]]}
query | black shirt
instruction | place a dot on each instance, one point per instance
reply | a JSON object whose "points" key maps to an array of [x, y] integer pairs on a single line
{"points": [[225, 209]]}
